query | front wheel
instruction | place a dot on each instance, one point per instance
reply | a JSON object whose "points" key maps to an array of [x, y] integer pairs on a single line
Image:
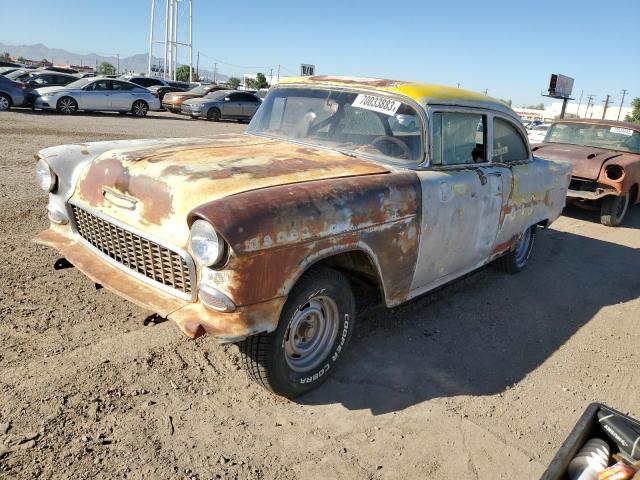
{"points": [[613, 210], [315, 327], [5, 102], [67, 106], [213, 115], [140, 108], [516, 259]]}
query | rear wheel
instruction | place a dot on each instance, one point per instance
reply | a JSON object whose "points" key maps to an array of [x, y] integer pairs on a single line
{"points": [[213, 115], [140, 108], [67, 106], [5, 102], [613, 210], [314, 330], [516, 259]]}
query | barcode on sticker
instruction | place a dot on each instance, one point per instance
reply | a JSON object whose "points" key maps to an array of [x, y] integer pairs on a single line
{"points": [[622, 131], [377, 104]]}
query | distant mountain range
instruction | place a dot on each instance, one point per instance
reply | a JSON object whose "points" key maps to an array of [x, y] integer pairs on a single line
{"points": [[134, 63]]}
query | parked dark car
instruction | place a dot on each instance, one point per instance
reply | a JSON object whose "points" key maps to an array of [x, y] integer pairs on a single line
{"points": [[11, 93], [4, 63], [162, 90], [145, 82], [42, 78], [58, 69]]}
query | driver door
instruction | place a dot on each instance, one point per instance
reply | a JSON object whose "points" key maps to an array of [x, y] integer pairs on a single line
{"points": [[96, 96], [462, 198]]}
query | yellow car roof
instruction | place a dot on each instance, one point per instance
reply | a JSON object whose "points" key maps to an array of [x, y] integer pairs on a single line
{"points": [[423, 93]]}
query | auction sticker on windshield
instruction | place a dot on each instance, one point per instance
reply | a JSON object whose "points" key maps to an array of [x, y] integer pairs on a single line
{"points": [[622, 131], [384, 105]]}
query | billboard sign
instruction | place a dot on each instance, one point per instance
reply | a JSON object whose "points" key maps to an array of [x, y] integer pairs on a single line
{"points": [[307, 70], [560, 86]]}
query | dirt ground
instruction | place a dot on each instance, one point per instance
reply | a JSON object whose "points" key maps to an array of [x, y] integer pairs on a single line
{"points": [[483, 379]]}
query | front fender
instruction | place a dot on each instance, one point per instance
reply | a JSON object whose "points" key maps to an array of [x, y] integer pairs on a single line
{"points": [[276, 233]]}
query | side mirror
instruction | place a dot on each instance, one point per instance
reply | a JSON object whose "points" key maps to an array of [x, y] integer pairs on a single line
{"points": [[226, 99]]}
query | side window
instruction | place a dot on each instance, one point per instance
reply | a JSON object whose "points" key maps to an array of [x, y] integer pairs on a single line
{"points": [[235, 97], [121, 86], [99, 86], [458, 138], [508, 144]]}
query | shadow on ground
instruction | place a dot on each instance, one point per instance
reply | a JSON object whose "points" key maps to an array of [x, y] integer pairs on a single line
{"points": [[485, 332], [631, 220]]}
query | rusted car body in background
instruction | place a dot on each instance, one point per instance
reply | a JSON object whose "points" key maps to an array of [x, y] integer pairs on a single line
{"points": [[605, 156], [173, 101], [256, 238]]}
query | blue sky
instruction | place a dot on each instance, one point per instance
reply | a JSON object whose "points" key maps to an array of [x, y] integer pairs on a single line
{"points": [[507, 47]]}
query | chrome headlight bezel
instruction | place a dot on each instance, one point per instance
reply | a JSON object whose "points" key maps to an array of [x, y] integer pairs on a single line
{"points": [[207, 246], [46, 178]]}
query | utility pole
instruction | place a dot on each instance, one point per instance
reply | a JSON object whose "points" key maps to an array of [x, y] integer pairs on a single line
{"points": [[118, 67], [589, 103], [485, 91], [624, 93], [215, 73], [458, 84], [271, 77], [198, 64], [606, 105], [579, 103], [278, 73]]}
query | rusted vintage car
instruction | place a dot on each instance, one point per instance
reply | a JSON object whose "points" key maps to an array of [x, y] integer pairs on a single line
{"points": [[605, 156], [258, 238]]}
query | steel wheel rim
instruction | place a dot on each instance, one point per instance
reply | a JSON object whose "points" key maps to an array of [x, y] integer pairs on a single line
{"points": [[311, 334], [4, 103], [66, 105], [139, 109], [523, 247]]}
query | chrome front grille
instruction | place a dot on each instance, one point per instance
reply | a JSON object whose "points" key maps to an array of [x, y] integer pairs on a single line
{"points": [[150, 259]]}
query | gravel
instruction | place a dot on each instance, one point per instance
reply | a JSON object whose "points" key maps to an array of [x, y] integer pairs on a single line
{"points": [[483, 379]]}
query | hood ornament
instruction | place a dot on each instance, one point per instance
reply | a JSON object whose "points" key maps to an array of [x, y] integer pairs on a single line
{"points": [[118, 199]]}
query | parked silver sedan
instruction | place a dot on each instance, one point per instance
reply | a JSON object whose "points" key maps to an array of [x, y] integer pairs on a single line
{"points": [[222, 104], [102, 94]]}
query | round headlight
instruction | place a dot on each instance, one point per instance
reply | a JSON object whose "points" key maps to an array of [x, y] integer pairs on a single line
{"points": [[46, 178], [614, 172], [206, 244]]}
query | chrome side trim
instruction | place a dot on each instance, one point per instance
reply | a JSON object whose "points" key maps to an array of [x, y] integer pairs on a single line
{"points": [[181, 252]]}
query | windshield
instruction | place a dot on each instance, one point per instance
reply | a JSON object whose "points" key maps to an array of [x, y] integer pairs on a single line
{"points": [[219, 94], [80, 83], [600, 136], [18, 74], [200, 89], [375, 125]]}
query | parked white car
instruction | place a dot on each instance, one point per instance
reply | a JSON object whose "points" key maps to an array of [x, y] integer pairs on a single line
{"points": [[103, 94], [537, 133]]}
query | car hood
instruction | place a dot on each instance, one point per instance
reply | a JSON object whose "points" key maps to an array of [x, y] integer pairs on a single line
{"points": [[586, 161], [46, 90], [153, 187], [181, 96], [198, 101]]}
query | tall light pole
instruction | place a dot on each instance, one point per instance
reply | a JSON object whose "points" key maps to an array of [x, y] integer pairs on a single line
{"points": [[153, 17], [166, 41], [190, 42]]}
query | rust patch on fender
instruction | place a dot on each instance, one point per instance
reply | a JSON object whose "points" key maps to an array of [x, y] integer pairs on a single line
{"points": [[277, 233]]}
